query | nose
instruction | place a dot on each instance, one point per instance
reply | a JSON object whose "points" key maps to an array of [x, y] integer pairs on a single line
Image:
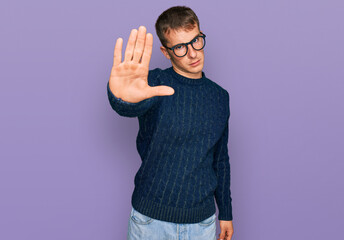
{"points": [[191, 51]]}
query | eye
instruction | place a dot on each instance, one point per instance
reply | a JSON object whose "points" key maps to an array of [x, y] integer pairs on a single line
{"points": [[195, 40], [178, 47]]}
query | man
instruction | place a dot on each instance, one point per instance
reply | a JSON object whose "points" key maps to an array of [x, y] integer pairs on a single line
{"points": [[183, 135]]}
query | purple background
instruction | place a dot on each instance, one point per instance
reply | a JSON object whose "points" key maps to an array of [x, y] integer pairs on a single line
{"points": [[68, 160]]}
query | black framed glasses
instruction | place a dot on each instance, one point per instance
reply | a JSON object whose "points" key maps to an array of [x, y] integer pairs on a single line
{"points": [[181, 49]]}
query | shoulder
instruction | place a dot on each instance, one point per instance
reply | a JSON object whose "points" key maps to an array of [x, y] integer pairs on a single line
{"points": [[158, 76], [153, 76], [155, 72], [222, 96], [223, 93]]}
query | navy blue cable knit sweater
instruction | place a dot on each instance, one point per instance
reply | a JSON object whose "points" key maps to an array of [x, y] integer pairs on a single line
{"points": [[182, 141]]}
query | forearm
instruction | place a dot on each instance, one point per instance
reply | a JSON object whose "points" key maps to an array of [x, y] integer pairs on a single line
{"points": [[221, 167], [223, 192]]}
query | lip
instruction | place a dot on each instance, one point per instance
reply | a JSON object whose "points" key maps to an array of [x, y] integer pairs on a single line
{"points": [[195, 63]]}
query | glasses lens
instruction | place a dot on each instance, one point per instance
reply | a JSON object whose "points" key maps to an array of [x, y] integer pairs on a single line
{"points": [[180, 50], [198, 43]]}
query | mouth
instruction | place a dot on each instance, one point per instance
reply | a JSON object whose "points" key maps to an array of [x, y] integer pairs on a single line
{"points": [[195, 63]]}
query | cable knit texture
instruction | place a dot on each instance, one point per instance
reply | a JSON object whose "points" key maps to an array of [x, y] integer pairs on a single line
{"points": [[182, 141]]}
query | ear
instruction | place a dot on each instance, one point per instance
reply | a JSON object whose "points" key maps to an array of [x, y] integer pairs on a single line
{"points": [[164, 51]]}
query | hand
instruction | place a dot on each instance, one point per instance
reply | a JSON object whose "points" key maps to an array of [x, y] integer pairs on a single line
{"points": [[129, 79], [226, 230]]}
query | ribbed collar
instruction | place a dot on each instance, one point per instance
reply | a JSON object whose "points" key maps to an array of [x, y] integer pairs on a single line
{"points": [[192, 81]]}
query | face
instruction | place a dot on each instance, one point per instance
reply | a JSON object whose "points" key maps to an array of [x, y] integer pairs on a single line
{"points": [[191, 64]]}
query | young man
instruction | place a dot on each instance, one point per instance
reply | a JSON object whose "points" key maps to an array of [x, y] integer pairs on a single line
{"points": [[183, 132]]}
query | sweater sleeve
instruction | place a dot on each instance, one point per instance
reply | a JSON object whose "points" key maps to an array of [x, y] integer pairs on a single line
{"points": [[222, 169], [128, 109]]}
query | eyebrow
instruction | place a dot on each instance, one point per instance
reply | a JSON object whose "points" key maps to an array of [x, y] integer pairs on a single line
{"points": [[187, 42]]}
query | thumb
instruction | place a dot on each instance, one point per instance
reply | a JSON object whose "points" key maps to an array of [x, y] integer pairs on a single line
{"points": [[160, 91]]}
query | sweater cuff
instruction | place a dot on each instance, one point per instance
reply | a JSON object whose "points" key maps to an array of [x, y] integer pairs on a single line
{"points": [[225, 213]]}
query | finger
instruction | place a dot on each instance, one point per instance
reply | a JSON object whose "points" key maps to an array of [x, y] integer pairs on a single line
{"points": [[222, 235], [147, 52], [229, 236], [130, 45], [117, 56], [140, 42]]}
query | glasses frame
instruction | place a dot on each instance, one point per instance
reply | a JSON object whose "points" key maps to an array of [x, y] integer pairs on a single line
{"points": [[186, 45]]}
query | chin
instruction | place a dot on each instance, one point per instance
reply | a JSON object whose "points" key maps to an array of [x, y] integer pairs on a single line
{"points": [[197, 69]]}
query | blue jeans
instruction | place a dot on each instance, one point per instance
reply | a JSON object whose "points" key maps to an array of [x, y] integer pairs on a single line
{"points": [[142, 227]]}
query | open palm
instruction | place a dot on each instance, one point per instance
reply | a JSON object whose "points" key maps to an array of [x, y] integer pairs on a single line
{"points": [[129, 79]]}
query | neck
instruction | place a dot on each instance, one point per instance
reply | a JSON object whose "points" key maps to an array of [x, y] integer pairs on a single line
{"points": [[186, 74]]}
